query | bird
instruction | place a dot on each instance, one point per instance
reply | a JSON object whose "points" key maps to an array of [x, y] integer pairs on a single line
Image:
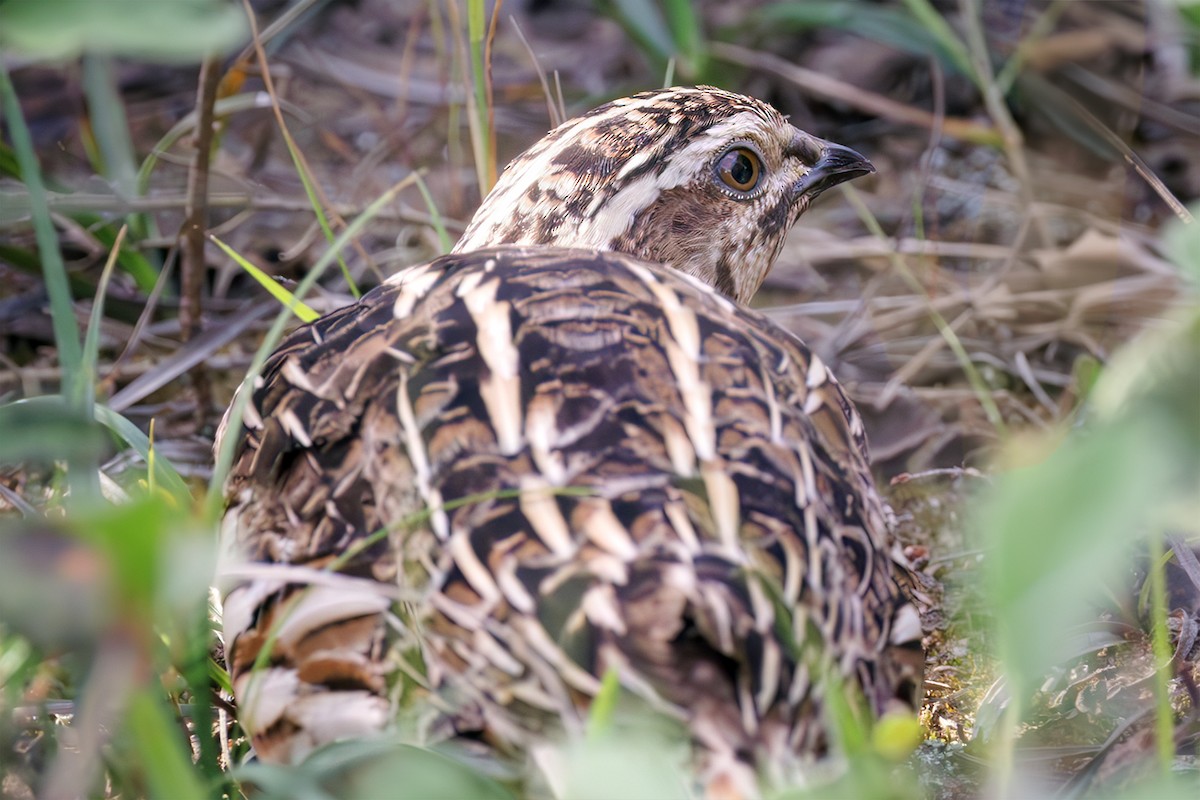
{"points": [[568, 450]]}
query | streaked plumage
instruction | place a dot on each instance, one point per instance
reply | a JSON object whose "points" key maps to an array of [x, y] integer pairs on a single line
{"points": [[531, 465]]}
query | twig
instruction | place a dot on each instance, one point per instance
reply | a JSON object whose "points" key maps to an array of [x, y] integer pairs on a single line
{"points": [[196, 207], [194, 266]]}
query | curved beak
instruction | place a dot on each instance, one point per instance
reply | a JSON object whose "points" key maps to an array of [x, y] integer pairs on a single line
{"points": [[836, 164]]}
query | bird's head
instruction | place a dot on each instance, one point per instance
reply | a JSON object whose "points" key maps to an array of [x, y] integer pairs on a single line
{"points": [[703, 180]]}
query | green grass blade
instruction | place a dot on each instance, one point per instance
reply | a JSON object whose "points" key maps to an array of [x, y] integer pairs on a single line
{"points": [[932, 20], [978, 385], [168, 767], [81, 473], [91, 342], [215, 500], [167, 478], [476, 33], [62, 314], [688, 34], [106, 111], [438, 225], [298, 159], [1164, 717], [644, 21], [289, 301]]}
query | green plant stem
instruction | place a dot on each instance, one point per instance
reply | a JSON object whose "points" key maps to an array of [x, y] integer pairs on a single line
{"points": [[481, 129], [106, 112], [1164, 718], [303, 171], [439, 226], [54, 272], [82, 478], [982, 393], [932, 20], [997, 108]]}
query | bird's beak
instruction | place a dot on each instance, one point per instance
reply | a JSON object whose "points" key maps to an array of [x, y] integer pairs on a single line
{"points": [[836, 164]]}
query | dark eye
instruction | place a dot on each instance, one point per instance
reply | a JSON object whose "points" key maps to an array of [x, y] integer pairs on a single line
{"points": [[739, 169]]}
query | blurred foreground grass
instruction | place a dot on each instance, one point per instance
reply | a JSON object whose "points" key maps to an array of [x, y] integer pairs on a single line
{"points": [[109, 688]]}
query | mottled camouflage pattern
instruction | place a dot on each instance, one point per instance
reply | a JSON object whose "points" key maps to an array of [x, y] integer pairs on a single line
{"points": [[532, 465]]}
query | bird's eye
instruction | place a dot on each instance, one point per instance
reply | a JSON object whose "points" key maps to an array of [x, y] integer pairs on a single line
{"points": [[740, 169]]}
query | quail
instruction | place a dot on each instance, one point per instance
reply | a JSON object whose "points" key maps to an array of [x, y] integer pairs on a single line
{"points": [[568, 450]]}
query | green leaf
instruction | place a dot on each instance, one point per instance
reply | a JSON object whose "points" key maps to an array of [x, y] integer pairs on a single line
{"points": [[41, 428], [161, 748], [357, 770], [1181, 241], [45, 432], [604, 705], [645, 23], [176, 31], [894, 27], [1056, 528], [54, 589], [289, 301]]}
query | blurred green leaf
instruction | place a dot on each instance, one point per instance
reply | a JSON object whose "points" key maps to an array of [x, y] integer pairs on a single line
{"points": [[54, 589], [645, 22], [47, 432], [162, 749], [604, 705], [133, 536], [177, 31], [1057, 528], [887, 25], [1181, 241], [42, 429], [373, 768], [1053, 541], [632, 765]]}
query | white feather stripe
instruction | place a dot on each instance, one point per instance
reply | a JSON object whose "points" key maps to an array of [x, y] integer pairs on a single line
{"points": [[769, 672], [414, 446], [677, 515], [476, 574], [538, 504], [600, 606], [501, 389], [294, 427], [602, 528], [817, 375], [331, 716], [806, 487], [768, 386], [679, 447], [495, 653], [683, 354], [416, 283], [264, 696], [724, 504], [514, 590], [542, 433], [317, 606], [571, 673]]}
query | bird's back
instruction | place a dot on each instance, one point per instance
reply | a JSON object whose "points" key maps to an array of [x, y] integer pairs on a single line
{"points": [[505, 473]]}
